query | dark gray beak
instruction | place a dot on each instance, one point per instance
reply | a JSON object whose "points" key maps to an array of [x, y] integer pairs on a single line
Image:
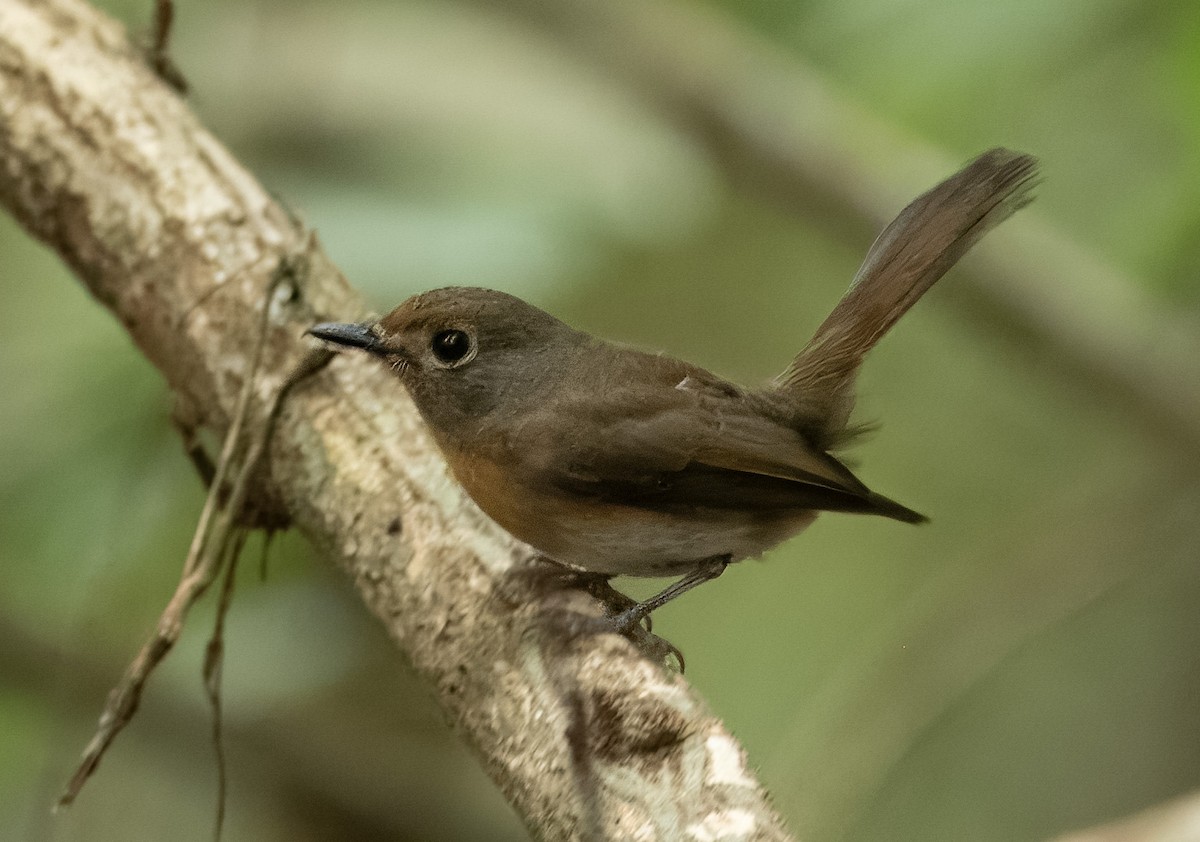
{"points": [[349, 335]]}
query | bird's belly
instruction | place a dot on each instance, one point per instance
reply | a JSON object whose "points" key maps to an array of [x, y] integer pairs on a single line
{"points": [[625, 542], [606, 537]]}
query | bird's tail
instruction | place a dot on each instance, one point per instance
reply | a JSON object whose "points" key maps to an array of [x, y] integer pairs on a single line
{"points": [[911, 254]]}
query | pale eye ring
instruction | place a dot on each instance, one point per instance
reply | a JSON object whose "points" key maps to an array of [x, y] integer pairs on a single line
{"points": [[452, 346]]}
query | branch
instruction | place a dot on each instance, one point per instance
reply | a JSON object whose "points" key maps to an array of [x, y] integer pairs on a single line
{"points": [[108, 166], [782, 131]]}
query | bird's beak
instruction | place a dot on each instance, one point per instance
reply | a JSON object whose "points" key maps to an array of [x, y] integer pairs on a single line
{"points": [[349, 335]]}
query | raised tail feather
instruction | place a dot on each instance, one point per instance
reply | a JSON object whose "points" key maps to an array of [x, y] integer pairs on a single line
{"points": [[911, 254]]}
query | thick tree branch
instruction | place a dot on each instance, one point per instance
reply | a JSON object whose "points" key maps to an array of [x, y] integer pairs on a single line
{"points": [[108, 166]]}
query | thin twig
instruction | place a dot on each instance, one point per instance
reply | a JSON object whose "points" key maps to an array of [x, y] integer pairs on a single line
{"points": [[213, 534], [158, 52], [214, 662]]}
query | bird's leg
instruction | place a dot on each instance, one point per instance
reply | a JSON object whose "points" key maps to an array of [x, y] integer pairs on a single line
{"points": [[709, 568]]}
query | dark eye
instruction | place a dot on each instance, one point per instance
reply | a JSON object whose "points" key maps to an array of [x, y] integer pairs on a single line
{"points": [[450, 346]]}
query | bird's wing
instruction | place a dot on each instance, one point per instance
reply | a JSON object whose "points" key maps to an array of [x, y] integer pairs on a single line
{"points": [[699, 444]]}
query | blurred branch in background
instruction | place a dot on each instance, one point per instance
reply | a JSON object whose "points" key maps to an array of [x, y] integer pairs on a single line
{"points": [[779, 129]]}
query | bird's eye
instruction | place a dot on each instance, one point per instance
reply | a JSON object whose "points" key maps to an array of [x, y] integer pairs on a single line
{"points": [[451, 346]]}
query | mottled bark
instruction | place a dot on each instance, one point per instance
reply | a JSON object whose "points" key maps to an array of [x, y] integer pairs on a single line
{"points": [[107, 165]]}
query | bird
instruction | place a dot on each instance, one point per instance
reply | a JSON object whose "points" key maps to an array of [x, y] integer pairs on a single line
{"points": [[617, 461]]}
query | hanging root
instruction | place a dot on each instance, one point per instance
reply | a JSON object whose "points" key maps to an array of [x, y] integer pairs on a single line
{"points": [[219, 537]]}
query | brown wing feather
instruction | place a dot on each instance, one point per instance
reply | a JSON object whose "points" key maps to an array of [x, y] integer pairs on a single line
{"points": [[681, 448]]}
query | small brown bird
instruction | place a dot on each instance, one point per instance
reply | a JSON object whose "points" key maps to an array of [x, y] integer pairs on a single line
{"points": [[621, 462]]}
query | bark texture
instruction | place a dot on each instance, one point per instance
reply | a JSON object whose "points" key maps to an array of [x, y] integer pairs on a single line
{"points": [[108, 166]]}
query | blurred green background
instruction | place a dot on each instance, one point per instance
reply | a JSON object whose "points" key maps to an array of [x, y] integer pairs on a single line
{"points": [[1024, 665]]}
